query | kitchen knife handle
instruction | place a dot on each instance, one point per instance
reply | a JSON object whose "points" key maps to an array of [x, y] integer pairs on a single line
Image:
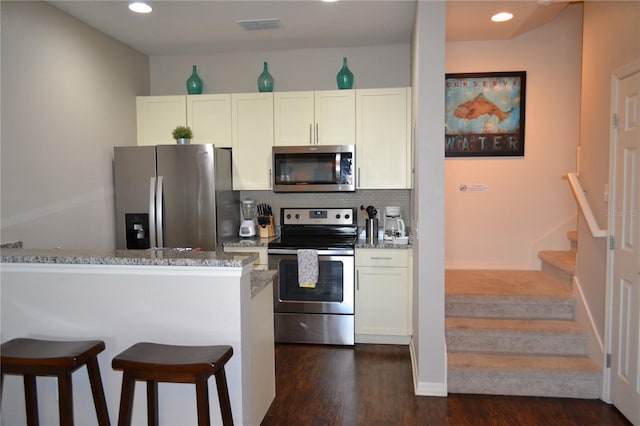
{"points": [[159, 212], [152, 212]]}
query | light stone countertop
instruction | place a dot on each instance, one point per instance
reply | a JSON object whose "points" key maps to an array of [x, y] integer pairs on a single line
{"points": [[249, 242], [360, 243], [260, 279], [156, 257]]}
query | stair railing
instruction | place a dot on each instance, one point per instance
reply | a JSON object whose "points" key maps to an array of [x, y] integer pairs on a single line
{"points": [[578, 192]]}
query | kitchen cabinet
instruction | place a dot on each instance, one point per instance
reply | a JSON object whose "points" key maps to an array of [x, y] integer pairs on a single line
{"points": [[383, 138], [325, 117], [383, 296], [262, 263], [208, 116], [252, 140], [157, 116]]}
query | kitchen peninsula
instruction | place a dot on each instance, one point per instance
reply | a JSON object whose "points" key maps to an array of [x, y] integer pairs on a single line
{"points": [[122, 297]]}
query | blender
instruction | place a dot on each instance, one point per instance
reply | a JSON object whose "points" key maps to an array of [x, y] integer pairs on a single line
{"points": [[248, 227], [393, 223]]}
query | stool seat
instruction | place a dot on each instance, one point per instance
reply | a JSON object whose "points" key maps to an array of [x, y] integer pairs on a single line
{"points": [[155, 362], [36, 357]]}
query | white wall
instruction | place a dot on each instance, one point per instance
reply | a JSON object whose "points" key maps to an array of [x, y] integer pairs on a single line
{"points": [[68, 96], [428, 57], [305, 69], [611, 40], [528, 206]]}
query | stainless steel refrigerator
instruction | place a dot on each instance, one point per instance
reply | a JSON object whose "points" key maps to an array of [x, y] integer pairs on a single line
{"points": [[171, 196]]}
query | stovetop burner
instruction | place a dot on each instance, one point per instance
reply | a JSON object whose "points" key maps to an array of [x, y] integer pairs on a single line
{"points": [[317, 228]]}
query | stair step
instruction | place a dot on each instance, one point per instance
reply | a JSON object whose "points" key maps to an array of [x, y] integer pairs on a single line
{"points": [[508, 336], [559, 264], [525, 375], [506, 294]]}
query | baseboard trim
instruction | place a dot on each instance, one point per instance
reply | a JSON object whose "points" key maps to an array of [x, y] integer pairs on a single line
{"points": [[379, 339], [424, 388]]}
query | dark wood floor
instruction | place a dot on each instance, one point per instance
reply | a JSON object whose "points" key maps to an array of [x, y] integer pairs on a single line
{"points": [[373, 385]]}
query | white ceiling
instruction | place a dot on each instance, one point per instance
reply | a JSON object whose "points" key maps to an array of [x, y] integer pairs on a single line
{"points": [[192, 27]]}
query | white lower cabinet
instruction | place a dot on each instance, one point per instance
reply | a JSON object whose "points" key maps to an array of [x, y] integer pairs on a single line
{"points": [[383, 296]]}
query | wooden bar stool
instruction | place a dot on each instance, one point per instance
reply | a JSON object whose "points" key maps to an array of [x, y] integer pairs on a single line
{"points": [[34, 357], [153, 363]]}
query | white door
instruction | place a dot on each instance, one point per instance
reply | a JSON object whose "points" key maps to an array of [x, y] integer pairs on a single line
{"points": [[625, 225]]}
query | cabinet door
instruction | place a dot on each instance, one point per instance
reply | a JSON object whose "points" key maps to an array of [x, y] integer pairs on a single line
{"points": [[252, 120], [382, 299], [157, 116], [335, 112], [383, 138], [293, 118], [209, 117]]}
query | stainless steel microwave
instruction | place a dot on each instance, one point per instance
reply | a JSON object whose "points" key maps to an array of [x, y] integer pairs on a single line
{"points": [[314, 168]]}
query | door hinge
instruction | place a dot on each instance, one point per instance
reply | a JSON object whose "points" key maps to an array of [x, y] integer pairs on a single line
{"points": [[612, 242], [614, 121], [608, 361]]}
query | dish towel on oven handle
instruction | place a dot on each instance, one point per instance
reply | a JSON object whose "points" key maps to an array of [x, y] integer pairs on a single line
{"points": [[307, 268]]}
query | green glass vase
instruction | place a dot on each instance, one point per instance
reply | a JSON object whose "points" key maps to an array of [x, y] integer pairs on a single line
{"points": [[265, 80], [345, 76], [194, 83]]}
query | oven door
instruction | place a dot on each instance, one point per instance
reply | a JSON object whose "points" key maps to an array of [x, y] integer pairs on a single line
{"points": [[334, 292]]}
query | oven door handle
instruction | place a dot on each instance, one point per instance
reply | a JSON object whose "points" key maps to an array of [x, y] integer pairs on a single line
{"points": [[340, 252]]}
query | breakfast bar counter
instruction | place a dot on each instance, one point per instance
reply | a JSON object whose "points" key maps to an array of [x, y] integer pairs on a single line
{"points": [[173, 296]]}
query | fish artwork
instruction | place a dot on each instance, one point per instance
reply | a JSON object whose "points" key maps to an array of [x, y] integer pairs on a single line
{"points": [[480, 106]]}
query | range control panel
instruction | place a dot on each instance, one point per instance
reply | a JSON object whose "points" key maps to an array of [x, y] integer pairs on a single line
{"points": [[313, 216]]}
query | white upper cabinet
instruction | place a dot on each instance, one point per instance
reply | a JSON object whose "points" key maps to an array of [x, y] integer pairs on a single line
{"points": [[252, 134], [157, 116], [383, 138], [294, 118], [209, 117], [325, 117]]}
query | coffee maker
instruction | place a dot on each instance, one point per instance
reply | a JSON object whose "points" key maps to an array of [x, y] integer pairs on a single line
{"points": [[393, 223]]}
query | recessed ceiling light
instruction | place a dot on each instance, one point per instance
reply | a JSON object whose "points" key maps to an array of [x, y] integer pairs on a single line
{"points": [[329, 1], [502, 17], [139, 7]]}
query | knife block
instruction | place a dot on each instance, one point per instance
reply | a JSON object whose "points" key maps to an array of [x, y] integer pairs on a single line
{"points": [[268, 230]]}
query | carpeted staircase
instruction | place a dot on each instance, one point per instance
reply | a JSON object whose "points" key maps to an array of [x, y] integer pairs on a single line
{"points": [[513, 332]]}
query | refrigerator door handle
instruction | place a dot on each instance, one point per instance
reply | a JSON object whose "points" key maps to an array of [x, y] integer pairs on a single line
{"points": [[152, 212], [159, 212]]}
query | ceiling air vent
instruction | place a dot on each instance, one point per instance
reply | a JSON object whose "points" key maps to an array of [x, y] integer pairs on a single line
{"points": [[260, 24]]}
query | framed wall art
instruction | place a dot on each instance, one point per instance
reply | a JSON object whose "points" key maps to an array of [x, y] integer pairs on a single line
{"points": [[484, 114]]}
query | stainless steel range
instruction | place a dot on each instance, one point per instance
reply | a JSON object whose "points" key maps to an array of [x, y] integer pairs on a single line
{"points": [[324, 312]]}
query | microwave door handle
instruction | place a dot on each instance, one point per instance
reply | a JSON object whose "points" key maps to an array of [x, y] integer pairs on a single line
{"points": [[338, 178], [152, 212], [159, 212]]}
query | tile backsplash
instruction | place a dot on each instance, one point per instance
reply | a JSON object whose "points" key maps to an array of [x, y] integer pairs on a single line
{"points": [[377, 198]]}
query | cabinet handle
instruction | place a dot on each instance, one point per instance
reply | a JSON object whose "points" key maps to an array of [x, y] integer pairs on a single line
{"points": [[317, 136], [358, 177], [310, 133], [358, 280], [381, 258]]}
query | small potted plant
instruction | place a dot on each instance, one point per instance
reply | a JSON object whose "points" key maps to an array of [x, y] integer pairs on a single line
{"points": [[182, 135]]}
